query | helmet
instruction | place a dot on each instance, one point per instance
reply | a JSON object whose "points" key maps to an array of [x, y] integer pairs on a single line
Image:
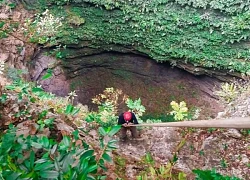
{"points": [[127, 116]]}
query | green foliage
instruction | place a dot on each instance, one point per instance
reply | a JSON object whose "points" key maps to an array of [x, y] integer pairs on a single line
{"points": [[159, 117], [211, 34], [39, 157], [179, 110], [57, 52], [48, 74], [107, 107], [110, 131], [107, 146], [136, 106], [211, 175], [11, 5], [2, 24], [70, 109], [163, 172], [228, 92], [166, 172], [108, 103]]}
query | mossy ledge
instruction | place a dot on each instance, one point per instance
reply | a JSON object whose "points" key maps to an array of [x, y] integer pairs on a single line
{"points": [[211, 34]]}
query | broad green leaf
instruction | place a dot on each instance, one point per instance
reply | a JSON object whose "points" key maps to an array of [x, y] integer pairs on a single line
{"points": [[67, 162], [25, 165], [10, 87], [57, 166], [112, 144], [69, 109], [175, 158], [37, 89], [45, 142], [82, 176], [36, 145], [3, 98], [40, 161], [101, 162], [92, 168], [90, 117], [102, 177], [12, 5], [103, 167], [13, 176], [102, 131], [149, 158], [84, 165], [76, 134], [49, 121], [47, 75], [114, 130], [2, 24], [106, 157], [87, 154], [182, 176], [66, 141], [44, 166], [28, 176], [32, 159], [52, 151], [75, 111], [49, 174], [203, 174]]}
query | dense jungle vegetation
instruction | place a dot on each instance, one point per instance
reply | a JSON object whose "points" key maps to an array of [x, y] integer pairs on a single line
{"points": [[212, 33], [46, 137]]}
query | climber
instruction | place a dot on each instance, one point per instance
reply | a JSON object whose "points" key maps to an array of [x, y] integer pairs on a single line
{"points": [[125, 119]]}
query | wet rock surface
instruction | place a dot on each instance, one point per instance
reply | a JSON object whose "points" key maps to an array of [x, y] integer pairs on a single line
{"points": [[159, 141], [57, 83], [137, 76]]}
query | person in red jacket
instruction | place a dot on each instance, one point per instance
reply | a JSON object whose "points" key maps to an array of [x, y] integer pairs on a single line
{"points": [[125, 119]]}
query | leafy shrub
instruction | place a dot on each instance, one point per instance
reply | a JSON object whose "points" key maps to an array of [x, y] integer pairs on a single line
{"points": [[108, 103], [107, 107], [179, 110], [211, 175], [136, 106], [36, 157], [227, 92], [197, 37], [40, 157], [160, 173], [47, 25]]}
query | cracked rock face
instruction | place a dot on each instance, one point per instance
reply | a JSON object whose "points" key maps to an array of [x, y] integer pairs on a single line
{"points": [[58, 83], [159, 141], [15, 51]]}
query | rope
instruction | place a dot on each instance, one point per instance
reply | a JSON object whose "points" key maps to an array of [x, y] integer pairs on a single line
{"points": [[236, 123]]}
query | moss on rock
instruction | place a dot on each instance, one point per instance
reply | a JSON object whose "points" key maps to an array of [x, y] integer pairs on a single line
{"points": [[212, 34]]}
